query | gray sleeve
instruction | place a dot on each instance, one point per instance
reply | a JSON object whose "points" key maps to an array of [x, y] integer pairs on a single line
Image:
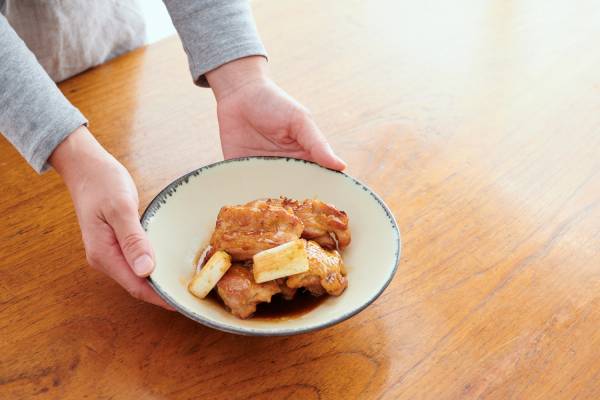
{"points": [[34, 115], [214, 32]]}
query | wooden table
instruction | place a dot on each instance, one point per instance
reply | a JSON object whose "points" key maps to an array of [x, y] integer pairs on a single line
{"points": [[478, 122]]}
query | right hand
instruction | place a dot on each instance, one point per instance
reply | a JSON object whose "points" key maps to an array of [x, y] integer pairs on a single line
{"points": [[106, 203]]}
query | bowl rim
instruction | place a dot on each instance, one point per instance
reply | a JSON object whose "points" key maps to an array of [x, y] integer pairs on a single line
{"points": [[155, 204]]}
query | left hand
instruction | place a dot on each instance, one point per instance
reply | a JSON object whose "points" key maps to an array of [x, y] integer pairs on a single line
{"points": [[256, 117], [106, 203]]}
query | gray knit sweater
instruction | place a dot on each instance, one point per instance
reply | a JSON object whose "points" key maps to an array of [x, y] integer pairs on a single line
{"points": [[34, 115]]}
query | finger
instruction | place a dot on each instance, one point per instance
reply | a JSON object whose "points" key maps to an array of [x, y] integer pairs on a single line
{"points": [[300, 154], [137, 287], [104, 253], [309, 136], [131, 237], [145, 293]]}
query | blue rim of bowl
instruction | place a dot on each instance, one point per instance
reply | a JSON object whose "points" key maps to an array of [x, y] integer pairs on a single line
{"points": [[168, 191]]}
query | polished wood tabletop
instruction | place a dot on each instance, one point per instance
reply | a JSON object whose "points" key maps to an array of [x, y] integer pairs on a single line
{"points": [[478, 122]]}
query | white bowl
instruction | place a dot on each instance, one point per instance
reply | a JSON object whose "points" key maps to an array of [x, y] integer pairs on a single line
{"points": [[181, 219]]}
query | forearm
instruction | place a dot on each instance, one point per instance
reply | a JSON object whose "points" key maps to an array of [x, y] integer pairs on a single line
{"points": [[34, 115], [76, 154], [214, 32], [235, 74]]}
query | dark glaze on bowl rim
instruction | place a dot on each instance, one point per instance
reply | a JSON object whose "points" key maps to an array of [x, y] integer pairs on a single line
{"points": [[161, 198]]}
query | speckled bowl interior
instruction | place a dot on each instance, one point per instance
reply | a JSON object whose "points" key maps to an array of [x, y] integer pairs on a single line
{"points": [[180, 220]]}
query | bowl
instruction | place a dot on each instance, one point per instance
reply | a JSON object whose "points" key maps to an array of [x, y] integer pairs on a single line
{"points": [[181, 218]]}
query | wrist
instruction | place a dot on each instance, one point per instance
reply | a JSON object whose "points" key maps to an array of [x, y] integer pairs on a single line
{"points": [[79, 150], [230, 77]]}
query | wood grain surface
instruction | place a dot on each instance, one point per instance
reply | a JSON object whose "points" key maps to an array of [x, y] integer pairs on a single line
{"points": [[477, 121]]}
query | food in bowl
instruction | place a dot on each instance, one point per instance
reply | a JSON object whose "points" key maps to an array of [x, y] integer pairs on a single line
{"points": [[273, 247]]}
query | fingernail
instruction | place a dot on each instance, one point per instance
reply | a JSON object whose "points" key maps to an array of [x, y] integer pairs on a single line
{"points": [[143, 265], [343, 163]]}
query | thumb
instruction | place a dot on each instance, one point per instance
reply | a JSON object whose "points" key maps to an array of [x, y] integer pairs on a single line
{"points": [[132, 238], [310, 137]]}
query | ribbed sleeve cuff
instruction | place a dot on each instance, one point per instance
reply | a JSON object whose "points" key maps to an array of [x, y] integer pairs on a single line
{"points": [[53, 135]]}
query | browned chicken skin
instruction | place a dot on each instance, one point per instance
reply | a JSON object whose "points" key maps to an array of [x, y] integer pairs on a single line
{"points": [[241, 293], [326, 272], [243, 231], [320, 220]]}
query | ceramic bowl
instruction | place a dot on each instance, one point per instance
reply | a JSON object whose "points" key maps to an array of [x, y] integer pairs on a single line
{"points": [[181, 219]]}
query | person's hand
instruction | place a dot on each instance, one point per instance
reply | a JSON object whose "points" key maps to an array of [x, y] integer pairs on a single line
{"points": [[256, 117], [106, 202]]}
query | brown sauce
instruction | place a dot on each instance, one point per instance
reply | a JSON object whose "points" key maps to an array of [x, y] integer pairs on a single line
{"points": [[279, 308]]}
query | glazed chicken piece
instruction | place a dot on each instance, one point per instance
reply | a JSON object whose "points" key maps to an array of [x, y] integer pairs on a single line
{"points": [[243, 231], [241, 294], [326, 272], [322, 222]]}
